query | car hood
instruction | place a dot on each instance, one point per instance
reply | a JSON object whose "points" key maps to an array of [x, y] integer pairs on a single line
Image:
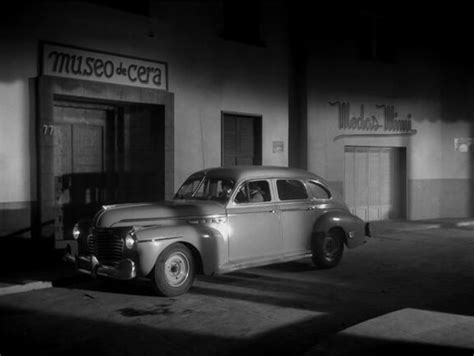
{"points": [[144, 214]]}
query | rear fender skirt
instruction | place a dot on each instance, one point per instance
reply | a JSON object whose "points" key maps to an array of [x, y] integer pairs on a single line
{"points": [[354, 228]]}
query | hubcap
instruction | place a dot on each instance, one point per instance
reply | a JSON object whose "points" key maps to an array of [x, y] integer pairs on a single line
{"points": [[177, 269]]}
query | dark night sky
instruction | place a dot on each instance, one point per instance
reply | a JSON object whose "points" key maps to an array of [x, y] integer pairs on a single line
{"points": [[444, 27]]}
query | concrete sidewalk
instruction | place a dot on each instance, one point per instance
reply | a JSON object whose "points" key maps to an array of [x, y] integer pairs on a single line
{"points": [[16, 287], [34, 278], [406, 330]]}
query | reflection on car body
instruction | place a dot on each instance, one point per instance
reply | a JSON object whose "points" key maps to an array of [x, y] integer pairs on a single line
{"points": [[220, 220]]}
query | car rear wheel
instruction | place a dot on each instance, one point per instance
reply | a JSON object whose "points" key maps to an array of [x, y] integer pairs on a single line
{"points": [[174, 271], [327, 249]]}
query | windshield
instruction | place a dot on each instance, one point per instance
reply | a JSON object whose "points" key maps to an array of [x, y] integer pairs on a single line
{"points": [[206, 188]]}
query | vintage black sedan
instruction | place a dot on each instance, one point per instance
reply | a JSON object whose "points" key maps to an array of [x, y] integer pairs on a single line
{"points": [[220, 220]]}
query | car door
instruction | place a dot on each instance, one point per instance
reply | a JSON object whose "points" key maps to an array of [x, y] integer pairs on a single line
{"points": [[254, 226], [298, 213]]}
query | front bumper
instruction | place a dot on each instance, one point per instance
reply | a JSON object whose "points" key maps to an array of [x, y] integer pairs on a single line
{"points": [[124, 269]]}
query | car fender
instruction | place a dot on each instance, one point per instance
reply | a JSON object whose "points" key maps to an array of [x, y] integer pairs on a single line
{"points": [[207, 244], [354, 228]]}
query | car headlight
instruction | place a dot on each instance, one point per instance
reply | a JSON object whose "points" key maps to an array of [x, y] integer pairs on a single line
{"points": [[76, 232], [130, 240]]}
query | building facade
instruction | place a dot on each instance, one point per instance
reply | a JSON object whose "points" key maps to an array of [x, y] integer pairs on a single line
{"points": [[389, 111], [97, 100], [102, 104]]}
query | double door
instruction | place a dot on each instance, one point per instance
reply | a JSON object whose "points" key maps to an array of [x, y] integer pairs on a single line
{"points": [[375, 182], [104, 154]]}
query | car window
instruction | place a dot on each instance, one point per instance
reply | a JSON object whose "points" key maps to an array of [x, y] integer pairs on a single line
{"points": [[289, 189], [197, 188], [253, 192], [318, 191], [188, 188]]}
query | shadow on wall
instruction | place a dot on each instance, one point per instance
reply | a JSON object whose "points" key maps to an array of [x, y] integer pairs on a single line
{"points": [[457, 94], [471, 160], [17, 45]]}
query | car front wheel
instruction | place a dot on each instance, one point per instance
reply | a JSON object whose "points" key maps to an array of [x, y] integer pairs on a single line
{"points": [[327, 249], [174, 271]]}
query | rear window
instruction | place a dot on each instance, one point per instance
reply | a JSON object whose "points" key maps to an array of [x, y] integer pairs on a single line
{"points": [[318, 191], [289, 189]]}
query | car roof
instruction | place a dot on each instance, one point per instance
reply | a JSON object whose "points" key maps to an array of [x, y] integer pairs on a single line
{"points": [[238, 173]]}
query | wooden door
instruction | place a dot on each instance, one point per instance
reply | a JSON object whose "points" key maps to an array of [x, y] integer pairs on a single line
{"points": [[241, 140], [79, 155]]}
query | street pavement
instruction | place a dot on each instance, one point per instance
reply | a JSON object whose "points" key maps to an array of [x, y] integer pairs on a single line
{"points": [[408, 289]]}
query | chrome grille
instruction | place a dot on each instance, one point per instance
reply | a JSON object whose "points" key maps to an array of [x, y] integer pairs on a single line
{"points": [[106, 245]]}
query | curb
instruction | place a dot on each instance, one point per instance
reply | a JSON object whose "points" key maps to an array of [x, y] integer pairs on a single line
{"points": [[21, 288], [465, 223], [416, 225]]}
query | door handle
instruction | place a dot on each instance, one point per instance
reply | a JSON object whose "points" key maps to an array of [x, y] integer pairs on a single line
{"points": [[273, 211], [311, 208]]}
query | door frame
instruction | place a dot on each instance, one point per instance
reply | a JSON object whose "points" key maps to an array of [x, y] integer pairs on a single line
{"points": [[49, 88]]}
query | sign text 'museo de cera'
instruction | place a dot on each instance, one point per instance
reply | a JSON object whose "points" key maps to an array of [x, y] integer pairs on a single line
{"points": [[76, 63]]}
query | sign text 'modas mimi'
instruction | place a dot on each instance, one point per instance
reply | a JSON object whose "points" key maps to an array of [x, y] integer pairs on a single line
{"points": [[389, 122]]}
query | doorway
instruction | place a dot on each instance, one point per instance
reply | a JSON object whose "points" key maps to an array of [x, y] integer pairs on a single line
{"points": [[105, 154], [375, 182], [101, 145]]}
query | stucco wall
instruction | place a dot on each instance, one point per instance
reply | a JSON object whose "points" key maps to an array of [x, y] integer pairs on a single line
{"points": [[439, 178], [206, 73]]}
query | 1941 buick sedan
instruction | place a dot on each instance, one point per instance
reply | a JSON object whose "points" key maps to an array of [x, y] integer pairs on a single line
{"points": [[220, 220]]}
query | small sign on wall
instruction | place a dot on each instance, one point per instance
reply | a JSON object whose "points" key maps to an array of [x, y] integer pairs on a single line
{"points": [[463, 144], [278, 147]]}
